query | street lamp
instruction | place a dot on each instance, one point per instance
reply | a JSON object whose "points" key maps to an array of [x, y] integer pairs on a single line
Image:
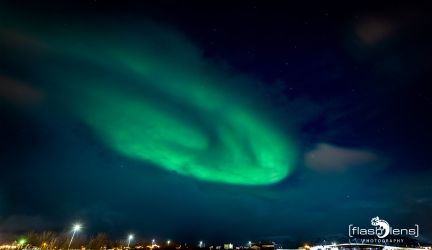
{"points": [[153, 242], [75, 229], [168, 242], [130, 237], [201, 243]]}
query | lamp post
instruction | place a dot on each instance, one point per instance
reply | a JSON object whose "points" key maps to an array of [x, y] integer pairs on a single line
{"points": [[75, 229], [130, 237]]}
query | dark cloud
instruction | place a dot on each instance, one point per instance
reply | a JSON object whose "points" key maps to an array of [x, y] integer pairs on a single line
{"points": [[327, 157], [22, 223], [19, 93]]}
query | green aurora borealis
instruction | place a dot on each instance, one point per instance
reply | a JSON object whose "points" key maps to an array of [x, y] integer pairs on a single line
{"points": [[158, 100], [213, 121]]}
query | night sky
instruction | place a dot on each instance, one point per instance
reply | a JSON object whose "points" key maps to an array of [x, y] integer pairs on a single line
{"points": [[212, 120]]}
